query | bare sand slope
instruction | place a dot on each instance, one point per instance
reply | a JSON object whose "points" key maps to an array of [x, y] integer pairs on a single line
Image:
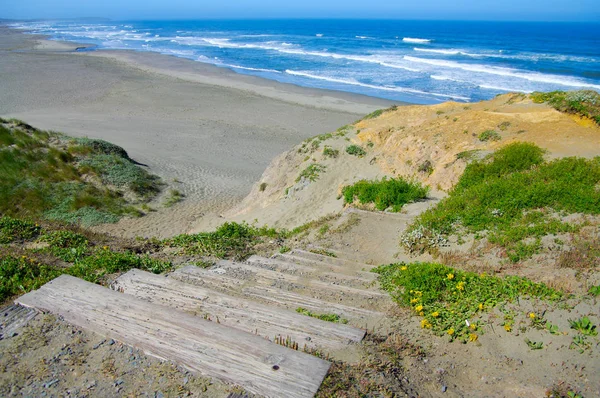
{"points": [[432, 144], [211, 129]]}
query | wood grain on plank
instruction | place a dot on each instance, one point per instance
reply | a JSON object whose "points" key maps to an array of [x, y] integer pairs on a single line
{"points": [[239, 313], [331, 272], [256, 273], [270, 294], [201, 346]]}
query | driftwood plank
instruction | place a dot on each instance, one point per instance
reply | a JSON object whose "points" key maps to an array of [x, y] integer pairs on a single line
{"points": [[201, 346], [239, 313], [271, 295]]}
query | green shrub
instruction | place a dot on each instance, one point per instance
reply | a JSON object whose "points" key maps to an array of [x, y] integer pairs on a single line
{"points": [[355, 150], [103, 147], [519, 156], [386, 193], [445, 297], [328, 152], [312, 172], [509, 194], [231, 240], [121, 172], [489, 135]]}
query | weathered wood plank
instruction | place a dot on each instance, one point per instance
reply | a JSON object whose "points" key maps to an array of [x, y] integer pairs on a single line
{"points": [[328, 271], [314, 259], [246, 271], [201, 346], [271, 295], [13, 318], [239, 313]]}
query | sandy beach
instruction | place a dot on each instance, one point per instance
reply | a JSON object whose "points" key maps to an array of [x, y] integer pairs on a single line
{"points": [[207, 131]]}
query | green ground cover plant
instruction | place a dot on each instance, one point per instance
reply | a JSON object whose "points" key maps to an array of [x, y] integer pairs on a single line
{"points": [[14, 229], [312, 172], [335, 318], [514, 195], [47, 175], [22, 269], [584, 102], [230, 240], [448, 300], [356, 151], [385, 193], [329, 152], [489, 135]]}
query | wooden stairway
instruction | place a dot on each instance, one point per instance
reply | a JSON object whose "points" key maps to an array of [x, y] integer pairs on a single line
{"points": [[234, 321]]}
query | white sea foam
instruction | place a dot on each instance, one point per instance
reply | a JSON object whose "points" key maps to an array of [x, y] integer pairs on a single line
{"points": [[445, 52], [319, 35], [499, 71], [248, 68], [285, 48], [415, 40], [371, 86], [483, 85]]}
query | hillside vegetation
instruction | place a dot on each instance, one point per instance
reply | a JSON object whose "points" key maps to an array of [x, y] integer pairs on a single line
{"points": [[76, 180]]}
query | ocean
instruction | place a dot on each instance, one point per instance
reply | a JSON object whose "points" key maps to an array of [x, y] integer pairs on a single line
{"points": [[420, 62]]}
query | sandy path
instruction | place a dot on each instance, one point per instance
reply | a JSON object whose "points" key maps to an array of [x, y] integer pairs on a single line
{"points": [[211, 129]]}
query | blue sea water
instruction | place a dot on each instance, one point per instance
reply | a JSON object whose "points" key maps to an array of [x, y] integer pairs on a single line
{"points": [[414, 61]]}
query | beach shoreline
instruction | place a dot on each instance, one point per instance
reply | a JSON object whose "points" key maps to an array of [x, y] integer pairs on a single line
{"points": [[207, 131]]}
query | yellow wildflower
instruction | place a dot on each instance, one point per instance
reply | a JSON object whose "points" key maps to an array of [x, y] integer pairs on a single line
{"points": [[460, 286], [450, 331], [507, 327], [403, 268], [425, 324], [473, 337], [450, 276], [435, 314], [480, 306], [419, 308], [418, 293], [473, 326], [414, 301], [532, 315], [105, 247], [421, 313]]}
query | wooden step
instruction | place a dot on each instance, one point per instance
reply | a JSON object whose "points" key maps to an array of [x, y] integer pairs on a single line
{"points": [[331, 273], [376, 213], [316, 260], [13, 318], [320, 258], [271, 295], [199, 345], [246, 315], [261, 275]]}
